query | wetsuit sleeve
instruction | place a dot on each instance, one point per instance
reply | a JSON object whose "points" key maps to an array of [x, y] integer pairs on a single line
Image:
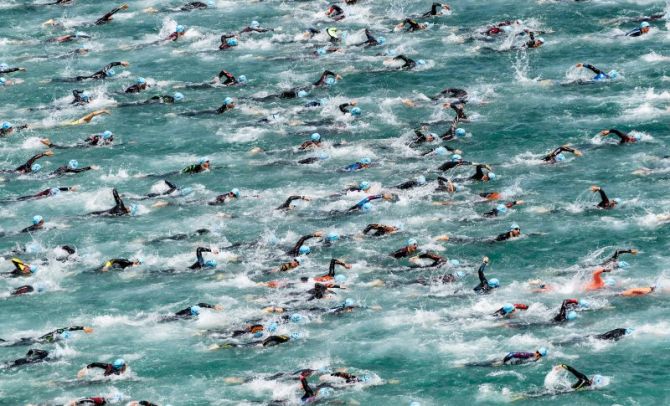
{"points": [[593, 69], [309, 392], [331, 268], [206, 305], [619, 134], [603, 197], [79, 170], [482, 277], [343, 107], [323, 77], [117, 200], [31, 161], [171, 185], [582, 378], [104, 19], [370, 227], [100, 365], [146, 403], [198, 254], [296, 248], [288, 201]]}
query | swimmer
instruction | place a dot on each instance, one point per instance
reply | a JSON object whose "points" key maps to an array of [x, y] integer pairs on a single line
{"points": [[71, 167], [614, 262], [508, 309], [33, 356], [380, 229], [255, 26], [120, 263], [644, 28], [191, 312], [106, 72], [360, 205], [38, 224], [117, 367], [200, 262], [371, 41], [7, 128], [404, 252], [436, 10], [485, 285], [119, 208], [5, 69], [638, 291], [108, 17], [201, 166], [566, 313], [605, 203], [228, 41], [557, 154], [139, 85], [411, 25], [502, 208], [87, 118], [583, 381], [623, 137], [287, 204], [410, 184], [335, 13], [287, 266], [437, 259], [313, 142], [534, 42], [514, 232], [298, 247], [331, 270], [52, 336], [31, 166], [221, 199], [597, 281], [179, 32], [517, 358], [600, 75]]}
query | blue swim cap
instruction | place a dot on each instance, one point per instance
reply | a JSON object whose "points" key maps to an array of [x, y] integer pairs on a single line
{"points": [[210, 263], [508, 308], [296, 336], [203, 160], [629, 331], [456, 157], [494, 283], [412, 241], [227, 100], [366, 161], [617, 200], [65, 335], [421, 180], [644, 24], [37, 219], [441, 151], [185, 191], [133, 209], [302, 94], [613, 74], [514, 226], [36, 167], [571, 315], [421, 62], [80, 34], [296, 318], [460, 274], [381, 40], [141, 81], [501, 208], [232, 42], [460, 132], [195, 310], [637, 137], [258, 334], [367, 207], [85, 95], [298, 260], [491, 175], [610, 282], [454, 262], [322, 51], [356, 111], [2, 81], [178, 96], [330, 81], [583, 303], [111, 72], [180, 28], [4, 66], [316, 137], [54, 191], [598, 380], [332, 236], [33, 269], [623, 264], [600, 76], [541, 39], [242, 79], [6, 125], [255, 24], [364, 185], [73, 164], [459, 188], [560, 157], [543, 351], [119, 363], [348, 302], [236, 192], [272, 327], [304, 250], [107, 135], [340, 278]]}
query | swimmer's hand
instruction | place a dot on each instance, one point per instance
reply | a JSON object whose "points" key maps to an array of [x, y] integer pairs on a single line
{"points": [[485, 260], [88, 330], [604, 132], [595, 188], [318, 234], [49, 153], [82, 373], [218, 307], [579, 65]]}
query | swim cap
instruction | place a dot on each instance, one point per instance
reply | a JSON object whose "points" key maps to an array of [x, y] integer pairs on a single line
{"points": [[85, 95], [185, 191], [340, 278], [460, 132], [629, 331], [258, 334], [494, 283], [364, 185], [541, 39], [421, 180], [412, 241], [2, 81], [298, 260], [6, 125], [460, 274], [610, 282], [598, 380], [514, 226], [255, 24], [296, 336], [501, 208], [330, 81], [232, 42], [119, 363], [454, 262], [296, 318], [33, 269], [107, 135], [316, 137], [242, 79], [491, 175], [367, 207], [381, 40], [195, 310], [623, 264], [36, 167], [543, 351], [506, 28], [304, 250], [560, 157], [54, 191], [456, 157], [421, 62], [180, 28], [571, 315], [325, 392], [616, 200], [133, 209], [637, 137], [210, 263], [321, 51], [236, 192], [332, 236], [4, 66], [644, 24], [80, 34], [178, 96], [37, 219], [111, 72], [459, 188], [613, 74], [356, 111], [508, 308], [366, 161], [272, 327], [441, 151], [203, 160], [302, 94], [583, 303], [227, 101], [140, 260], [65, 335], [73, 164]]}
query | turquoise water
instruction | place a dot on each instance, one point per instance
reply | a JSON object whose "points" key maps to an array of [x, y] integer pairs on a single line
{"points": [[410, 340]]}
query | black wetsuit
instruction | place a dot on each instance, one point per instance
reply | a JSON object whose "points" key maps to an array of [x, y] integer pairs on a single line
{"points": [[63, 170], [615, 257], [605, 203], [101, 74], [403, 252], [452, 164], [295, 251], [119, 263], [78, 100], [109, 368], [195, 5], [34, 227], [171, 189], [186, 313], [413, 25], [614, 335], [108, 17], [379, 229], [409, 63], [287, 204], [27, 167], [322, 79], [33, 356], [565, 306], [200, 263], [118, 210], [136, 88], [49, 337], [371, 41], [434, 11], [483, 286], [582, 380], [551, 157], [623, 137]]}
